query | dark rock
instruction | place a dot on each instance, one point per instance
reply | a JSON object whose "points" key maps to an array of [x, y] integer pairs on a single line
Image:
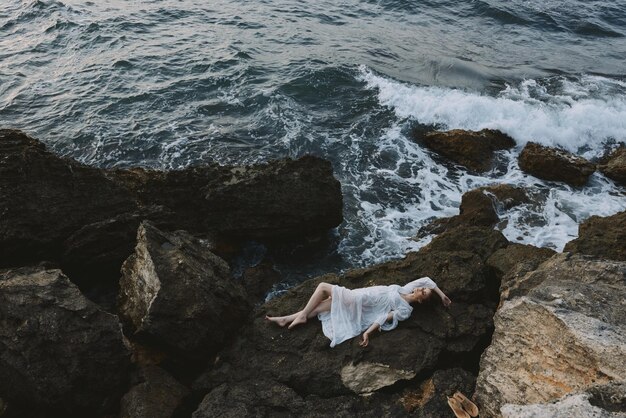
{"points": [[555, 164], [615, 166], [610, 397], [57, 209], [479, 207], [473, 150], [479, 240], [259, 279], [158, 395], [280, 199], [176, 294], [104, 244], [255, 398], [603, 237], [505, 259], [261, 397], [267, 398], [430, 399], [60, 352], [44, 199], [434, 337]]}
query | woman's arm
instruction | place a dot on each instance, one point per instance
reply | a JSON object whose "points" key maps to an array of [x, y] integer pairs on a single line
{"points": [[375, 326], [444, 299]]}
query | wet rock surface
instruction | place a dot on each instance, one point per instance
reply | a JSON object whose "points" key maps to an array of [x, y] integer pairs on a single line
{"points": [[259, 279], [479, 207], [158, 395], [57, 209], [615, 166], [44, 199], [177, 295], [603, 237], [473, 150], [556, 350], [563, 336], [430, 399], [555, 164], [300, 361], [61, 354]]}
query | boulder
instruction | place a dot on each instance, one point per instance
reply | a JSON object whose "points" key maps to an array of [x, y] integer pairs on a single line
{"points": [[433, 338], [555, 164], [599, 401], [430, 399], [257, 397], [281, 199], [473, 150], [60, 352], [266, 398], [504, 260], [177, 295], [259, 279], [158, 395], [57, 209], [44, 199], [479, 207], [603, 237], [615, 166], [260, 397], [561, 337], [512, 263]]}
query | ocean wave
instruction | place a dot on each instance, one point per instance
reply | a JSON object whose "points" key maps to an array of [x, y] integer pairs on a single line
{"points": [[572, 113]]}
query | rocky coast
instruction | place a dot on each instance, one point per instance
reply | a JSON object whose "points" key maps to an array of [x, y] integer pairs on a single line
{"points": [[531, 332]]}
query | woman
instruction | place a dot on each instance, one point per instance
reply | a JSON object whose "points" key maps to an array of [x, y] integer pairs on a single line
{"points": [[345, 313]]}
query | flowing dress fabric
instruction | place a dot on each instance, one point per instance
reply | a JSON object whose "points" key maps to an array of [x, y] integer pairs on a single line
{"points": [[354, 311]]}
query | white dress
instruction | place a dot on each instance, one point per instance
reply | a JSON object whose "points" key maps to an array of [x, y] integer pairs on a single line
{"points": [[354, 311]]}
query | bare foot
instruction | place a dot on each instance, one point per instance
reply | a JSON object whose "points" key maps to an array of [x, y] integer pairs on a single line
{"points": [[300, 319], [280, 320]]}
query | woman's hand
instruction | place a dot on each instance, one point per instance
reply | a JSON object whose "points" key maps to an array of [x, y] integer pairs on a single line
{"points": [[446, 301], [366, 340]]}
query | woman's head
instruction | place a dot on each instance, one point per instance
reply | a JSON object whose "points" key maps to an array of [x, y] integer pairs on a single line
{"points": [[419, 295]]}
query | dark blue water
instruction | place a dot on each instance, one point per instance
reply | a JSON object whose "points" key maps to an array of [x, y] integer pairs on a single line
{"points": [[170, 83]]}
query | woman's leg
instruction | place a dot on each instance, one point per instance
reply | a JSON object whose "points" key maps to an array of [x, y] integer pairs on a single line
{"points": [[318, 302], [323, 291]]}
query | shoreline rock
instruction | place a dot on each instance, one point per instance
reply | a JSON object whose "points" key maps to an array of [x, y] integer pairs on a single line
{"points": [[555, 164], [603, 237], [479, 207], [560, 336], [157, 395], [175, 294], [473, 150], [615, 166], [301, 362], [60, 352], [85, 218]]}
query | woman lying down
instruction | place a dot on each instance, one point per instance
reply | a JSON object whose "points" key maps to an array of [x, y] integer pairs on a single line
{"points": [[346, 313]]}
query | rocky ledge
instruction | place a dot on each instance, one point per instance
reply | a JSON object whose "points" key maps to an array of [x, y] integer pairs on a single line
{"points": [[85, 218], [530, 333], [474, 150], [564, 335], [615, 166], [555, 164]]}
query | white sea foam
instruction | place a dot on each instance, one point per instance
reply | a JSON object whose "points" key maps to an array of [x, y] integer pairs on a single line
{"points": [[571, 118], [583, 113]]}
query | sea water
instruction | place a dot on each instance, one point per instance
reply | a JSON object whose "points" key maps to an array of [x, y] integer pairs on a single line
{"points": [[171, 83]]}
